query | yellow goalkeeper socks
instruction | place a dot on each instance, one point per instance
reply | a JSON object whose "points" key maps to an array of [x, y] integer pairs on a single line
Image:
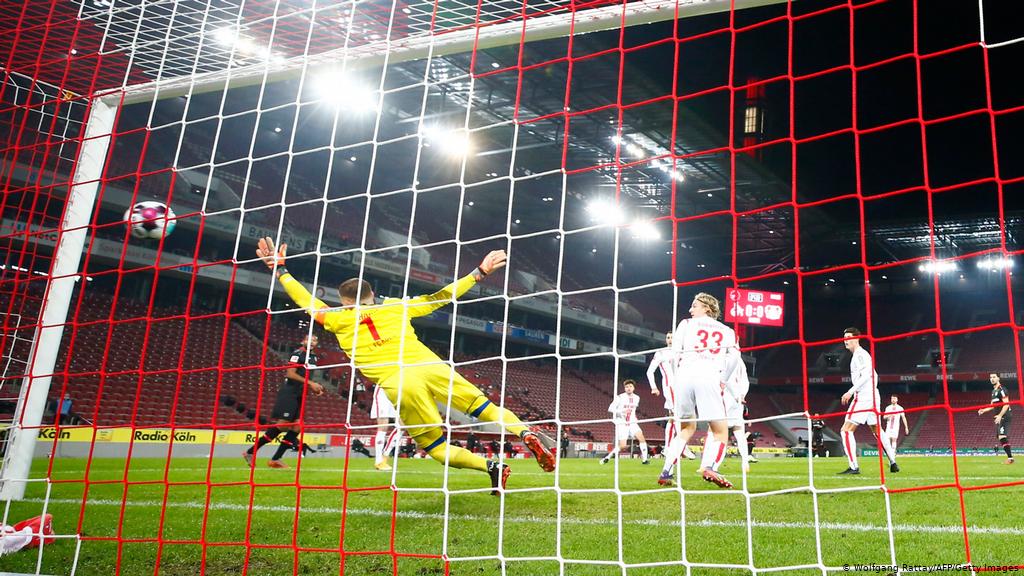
{"points": [[487, 410], [457, 457]]}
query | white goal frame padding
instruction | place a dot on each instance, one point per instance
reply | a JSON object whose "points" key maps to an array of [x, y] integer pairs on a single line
{"points": [[74, 230]]}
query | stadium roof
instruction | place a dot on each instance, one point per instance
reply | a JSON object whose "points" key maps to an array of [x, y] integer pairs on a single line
{"points": [[182, 39]]}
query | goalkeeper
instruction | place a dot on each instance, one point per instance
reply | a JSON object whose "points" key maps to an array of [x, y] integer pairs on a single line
{"points": [[383, 345]]}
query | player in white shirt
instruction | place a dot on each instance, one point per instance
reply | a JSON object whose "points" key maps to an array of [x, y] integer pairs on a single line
{"points": [[862, 398], [709, 352], [384, 441], [664, 363], [623, 410], [735, 406], [893, 414]]}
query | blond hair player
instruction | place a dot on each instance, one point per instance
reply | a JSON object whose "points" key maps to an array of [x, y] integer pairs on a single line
{"points": [[709, 352]]}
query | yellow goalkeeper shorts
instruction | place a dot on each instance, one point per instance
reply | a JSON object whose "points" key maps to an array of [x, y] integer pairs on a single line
{"points": [[417, 390]]}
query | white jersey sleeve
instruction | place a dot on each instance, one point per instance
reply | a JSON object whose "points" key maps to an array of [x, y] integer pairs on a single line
{"points": [[663, 362], [614, 407], [730, 356], [862, 374], [739, 384]]}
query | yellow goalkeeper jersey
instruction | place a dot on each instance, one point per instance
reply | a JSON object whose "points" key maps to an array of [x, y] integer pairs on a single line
{"points": [[373, 337]]}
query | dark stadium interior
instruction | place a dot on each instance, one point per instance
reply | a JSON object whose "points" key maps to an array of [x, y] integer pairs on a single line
{"points": [[852, 225]]}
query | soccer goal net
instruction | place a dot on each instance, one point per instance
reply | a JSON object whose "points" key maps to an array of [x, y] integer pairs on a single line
{"points": [[842, 177]]}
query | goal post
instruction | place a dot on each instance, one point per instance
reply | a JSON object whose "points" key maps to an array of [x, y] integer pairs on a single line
{"points": [[63, 275]]}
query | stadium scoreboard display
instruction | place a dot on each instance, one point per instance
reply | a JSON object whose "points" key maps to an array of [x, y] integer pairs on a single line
{"points": [[754, 307]]}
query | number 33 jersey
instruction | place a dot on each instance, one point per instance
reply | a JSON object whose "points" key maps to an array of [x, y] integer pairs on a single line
{"points": [[705, 348], [373, 335]]}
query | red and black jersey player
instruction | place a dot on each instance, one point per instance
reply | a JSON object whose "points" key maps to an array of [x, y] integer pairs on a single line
{"points": [[288, 405], [1001, 402]]}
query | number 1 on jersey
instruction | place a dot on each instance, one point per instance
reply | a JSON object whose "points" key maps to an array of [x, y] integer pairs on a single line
{"points": [[373, 329]]}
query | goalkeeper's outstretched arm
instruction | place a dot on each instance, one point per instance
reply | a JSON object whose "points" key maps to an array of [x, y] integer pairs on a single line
{"points": [[275, 259], [423, 305]]}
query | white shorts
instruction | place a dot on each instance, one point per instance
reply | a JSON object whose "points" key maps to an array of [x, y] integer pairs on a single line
{"points": [[733, 411], [706, 395], [669, 392], [684, 403], [626, 431], [861, 413], [893, 437], [382, 406]]}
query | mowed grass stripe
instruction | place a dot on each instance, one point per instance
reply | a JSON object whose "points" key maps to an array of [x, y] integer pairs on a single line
{"points": [[843, 526], [853, 529]]}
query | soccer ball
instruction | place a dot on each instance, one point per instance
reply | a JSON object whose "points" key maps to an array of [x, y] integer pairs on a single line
{"points": [[150, 220]]}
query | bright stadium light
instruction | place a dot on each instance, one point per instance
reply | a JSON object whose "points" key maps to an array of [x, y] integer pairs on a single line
{"points": [[345, 93], [455, 143], [645, 230], [996, 263], [225, 36], [230, 38], [606, 212], [938, 266]]}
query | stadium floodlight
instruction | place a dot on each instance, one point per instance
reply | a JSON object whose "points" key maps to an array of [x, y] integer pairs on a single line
{"points": [[230, 38], [345, 92], [938, 266], [645, 230], [455, 143], [606, 212], [996, 264], [225, 36]]}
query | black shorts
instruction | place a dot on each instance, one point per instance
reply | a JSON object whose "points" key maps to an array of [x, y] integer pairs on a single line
{"points": [[1003, 428], [288, 404]]}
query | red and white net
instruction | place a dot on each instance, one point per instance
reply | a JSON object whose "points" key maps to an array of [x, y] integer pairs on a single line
{"points": [[809, 148]]}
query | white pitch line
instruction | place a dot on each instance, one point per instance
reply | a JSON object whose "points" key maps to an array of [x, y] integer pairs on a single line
{"points": [[517, 472], [412, 514]]}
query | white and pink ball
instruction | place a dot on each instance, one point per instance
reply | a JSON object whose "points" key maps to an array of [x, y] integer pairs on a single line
{"points": [[150, 220]]}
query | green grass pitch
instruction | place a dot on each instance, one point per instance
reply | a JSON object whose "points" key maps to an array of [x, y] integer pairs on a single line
{"points": [[851, 524]]}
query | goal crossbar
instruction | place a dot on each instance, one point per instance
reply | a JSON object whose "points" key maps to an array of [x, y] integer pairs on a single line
{"points": [[482, 37]]}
